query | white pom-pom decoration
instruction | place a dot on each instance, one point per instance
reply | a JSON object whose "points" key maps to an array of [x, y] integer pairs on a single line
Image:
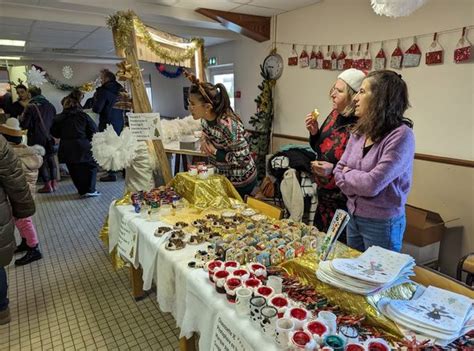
{"points": [[35, 77], [396, 8], [114, 152], [175, 128]]}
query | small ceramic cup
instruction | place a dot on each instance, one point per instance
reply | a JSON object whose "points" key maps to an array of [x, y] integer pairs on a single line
{"points": [[231, 265], [349, 334], [264, 291], [230, 286], [242, 301], [268, 322], [276, 283], [302, 340], [258, 270], [243, 274], [253, 283], [212, 267], [377, 344], [355, 346], [299, 315], [220, 278], [256, 304], [330, 319], [280, 302], [317, 329], [283, 328], [334, 341]]}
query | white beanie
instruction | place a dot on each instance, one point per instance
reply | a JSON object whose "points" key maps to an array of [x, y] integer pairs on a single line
{"points": [[353, 78], [11, 127]]}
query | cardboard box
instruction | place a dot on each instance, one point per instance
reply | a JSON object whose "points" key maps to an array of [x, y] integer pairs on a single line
{"points": [[424, 227], [422, 255]]}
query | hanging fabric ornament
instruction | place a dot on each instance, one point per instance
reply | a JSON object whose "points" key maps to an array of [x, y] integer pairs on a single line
{"points": [[359, 61], [319, 59], [464, 50], [367, 59], [396, 59], [341, 59], [349, 61], [412, 57], [327, 59], [293, 58], [304, 58], [434, 55], [380, 59], [313, 58], [333, 59]]}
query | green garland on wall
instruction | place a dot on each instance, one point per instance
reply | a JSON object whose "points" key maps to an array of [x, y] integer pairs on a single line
{"points": [[262, 122]]}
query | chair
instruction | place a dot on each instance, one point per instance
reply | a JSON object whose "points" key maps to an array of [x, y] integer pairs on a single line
{"points": [[267, 209], [466, 264]]}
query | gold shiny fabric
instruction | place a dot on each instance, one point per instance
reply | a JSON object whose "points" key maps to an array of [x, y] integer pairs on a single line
{"points": [[116, 260], [305, 269], [215, 192]]}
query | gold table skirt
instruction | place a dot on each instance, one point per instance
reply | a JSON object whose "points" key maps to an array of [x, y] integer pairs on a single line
{"points": [[215, 192]]}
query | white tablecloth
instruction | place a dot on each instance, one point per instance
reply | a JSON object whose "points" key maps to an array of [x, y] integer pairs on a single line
{"points": [[184, 292]]}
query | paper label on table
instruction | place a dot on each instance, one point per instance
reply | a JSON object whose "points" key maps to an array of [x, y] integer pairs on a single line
{"points": [[145, 126], [127, 242], [226, 338]]}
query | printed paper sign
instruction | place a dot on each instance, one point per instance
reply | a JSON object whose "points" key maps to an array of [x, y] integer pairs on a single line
{"points": [[127, 242], [225, 338], [145, 126]]}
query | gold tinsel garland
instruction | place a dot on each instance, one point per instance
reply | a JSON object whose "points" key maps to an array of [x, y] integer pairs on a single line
{"points": [[123, 22]]}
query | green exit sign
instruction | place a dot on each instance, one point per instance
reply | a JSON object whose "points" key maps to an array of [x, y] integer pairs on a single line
{"points": [[212, 61]]}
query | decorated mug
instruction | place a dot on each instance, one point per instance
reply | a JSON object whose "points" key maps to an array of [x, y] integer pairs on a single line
{"points": [[299, 315], [283, 328], [243, 274], [302, 340], [253, 283], [264, 291], [256, 304], [230, 286], [212, 267], [280, 302], [242, 301], [220, 278], [268, 322], [317, 329]]}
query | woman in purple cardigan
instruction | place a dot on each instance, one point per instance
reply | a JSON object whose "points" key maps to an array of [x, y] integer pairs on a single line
{"points": [[375, 171]]}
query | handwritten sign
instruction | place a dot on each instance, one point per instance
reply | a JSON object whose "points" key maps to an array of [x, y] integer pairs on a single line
{"points": [[145, 126], [225, 338], [127, 242]]}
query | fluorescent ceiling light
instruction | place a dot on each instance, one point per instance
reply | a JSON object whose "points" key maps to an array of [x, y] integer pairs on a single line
{"points": [[10, 58], [8, 42]]}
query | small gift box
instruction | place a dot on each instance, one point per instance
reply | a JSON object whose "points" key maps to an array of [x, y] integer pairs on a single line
{"points": [[434, 55], [412, 57], [464, 50], [293, 58]]}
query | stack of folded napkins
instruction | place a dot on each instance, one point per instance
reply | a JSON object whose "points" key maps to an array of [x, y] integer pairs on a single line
{"points": [[374, 270], [437, 314]]}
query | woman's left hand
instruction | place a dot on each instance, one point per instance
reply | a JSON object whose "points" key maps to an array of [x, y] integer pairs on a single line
{"points": [[208, 148]]}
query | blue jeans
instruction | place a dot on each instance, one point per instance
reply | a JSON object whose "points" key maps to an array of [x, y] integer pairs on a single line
{"points": [[3, 289], [363, 233]]}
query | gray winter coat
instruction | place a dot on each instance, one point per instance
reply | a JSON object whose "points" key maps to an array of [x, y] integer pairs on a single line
{"points": [[15, 199]]}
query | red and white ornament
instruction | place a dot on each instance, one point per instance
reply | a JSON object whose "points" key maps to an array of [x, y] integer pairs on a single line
{"points": [[341, 60], [304, 58], [464, 51], [396, 59], [327, 60], [333, 60], [293, 58], [313, 58], [359, 61], [319, 59], [380, 59], [349, 61], [412, 57], [367, 59], [434, 55]]}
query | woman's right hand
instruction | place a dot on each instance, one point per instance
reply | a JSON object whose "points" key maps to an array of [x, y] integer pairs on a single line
{"points": [[311, 124]]}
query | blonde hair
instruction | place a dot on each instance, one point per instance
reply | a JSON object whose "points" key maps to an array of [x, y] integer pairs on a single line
{"points": [[350, 108]]}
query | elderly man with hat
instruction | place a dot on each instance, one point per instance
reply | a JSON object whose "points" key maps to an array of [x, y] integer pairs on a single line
{"points": [[31, 158], [329, 142]]}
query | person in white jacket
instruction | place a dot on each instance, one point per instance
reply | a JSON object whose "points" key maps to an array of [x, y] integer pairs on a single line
{"points": [[31, 159]]}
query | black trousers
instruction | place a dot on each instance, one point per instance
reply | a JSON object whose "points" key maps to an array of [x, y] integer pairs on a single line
{"points": [[47, 170], [83, 176]]}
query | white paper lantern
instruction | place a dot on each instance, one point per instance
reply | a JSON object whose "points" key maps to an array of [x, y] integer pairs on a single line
{"points": [[396, 8]]}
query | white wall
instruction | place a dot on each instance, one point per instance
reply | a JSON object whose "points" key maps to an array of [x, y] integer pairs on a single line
{"points": [[442, 96], [167, 93]]}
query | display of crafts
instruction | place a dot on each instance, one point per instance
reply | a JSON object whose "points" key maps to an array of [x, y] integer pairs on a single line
{"points": [[293, 315], [374, 270], [243, 235], [435, 314], [162, 199], [201, 170]]}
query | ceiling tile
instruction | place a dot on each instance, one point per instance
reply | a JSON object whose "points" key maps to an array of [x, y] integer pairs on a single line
{"points": [[16, 22], [57, 26], [209, 4], [257, 11], [283, 4]]}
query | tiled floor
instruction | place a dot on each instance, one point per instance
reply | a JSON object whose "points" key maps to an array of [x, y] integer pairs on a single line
{"points": [[72, 299]]}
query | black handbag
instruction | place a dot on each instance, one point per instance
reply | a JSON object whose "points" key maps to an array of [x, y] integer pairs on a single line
{"points": [[50, 143]]}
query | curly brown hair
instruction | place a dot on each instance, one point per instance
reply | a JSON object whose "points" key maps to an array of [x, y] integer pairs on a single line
{"points": [[388, 103]]}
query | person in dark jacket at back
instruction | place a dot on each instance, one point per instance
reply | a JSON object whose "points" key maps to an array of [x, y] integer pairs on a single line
{"points": [[38, 118], [15, 202], [105, 98], [75, 129]]}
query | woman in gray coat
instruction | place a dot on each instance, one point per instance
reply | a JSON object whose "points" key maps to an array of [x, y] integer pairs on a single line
{"points": [[15, 201]]}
